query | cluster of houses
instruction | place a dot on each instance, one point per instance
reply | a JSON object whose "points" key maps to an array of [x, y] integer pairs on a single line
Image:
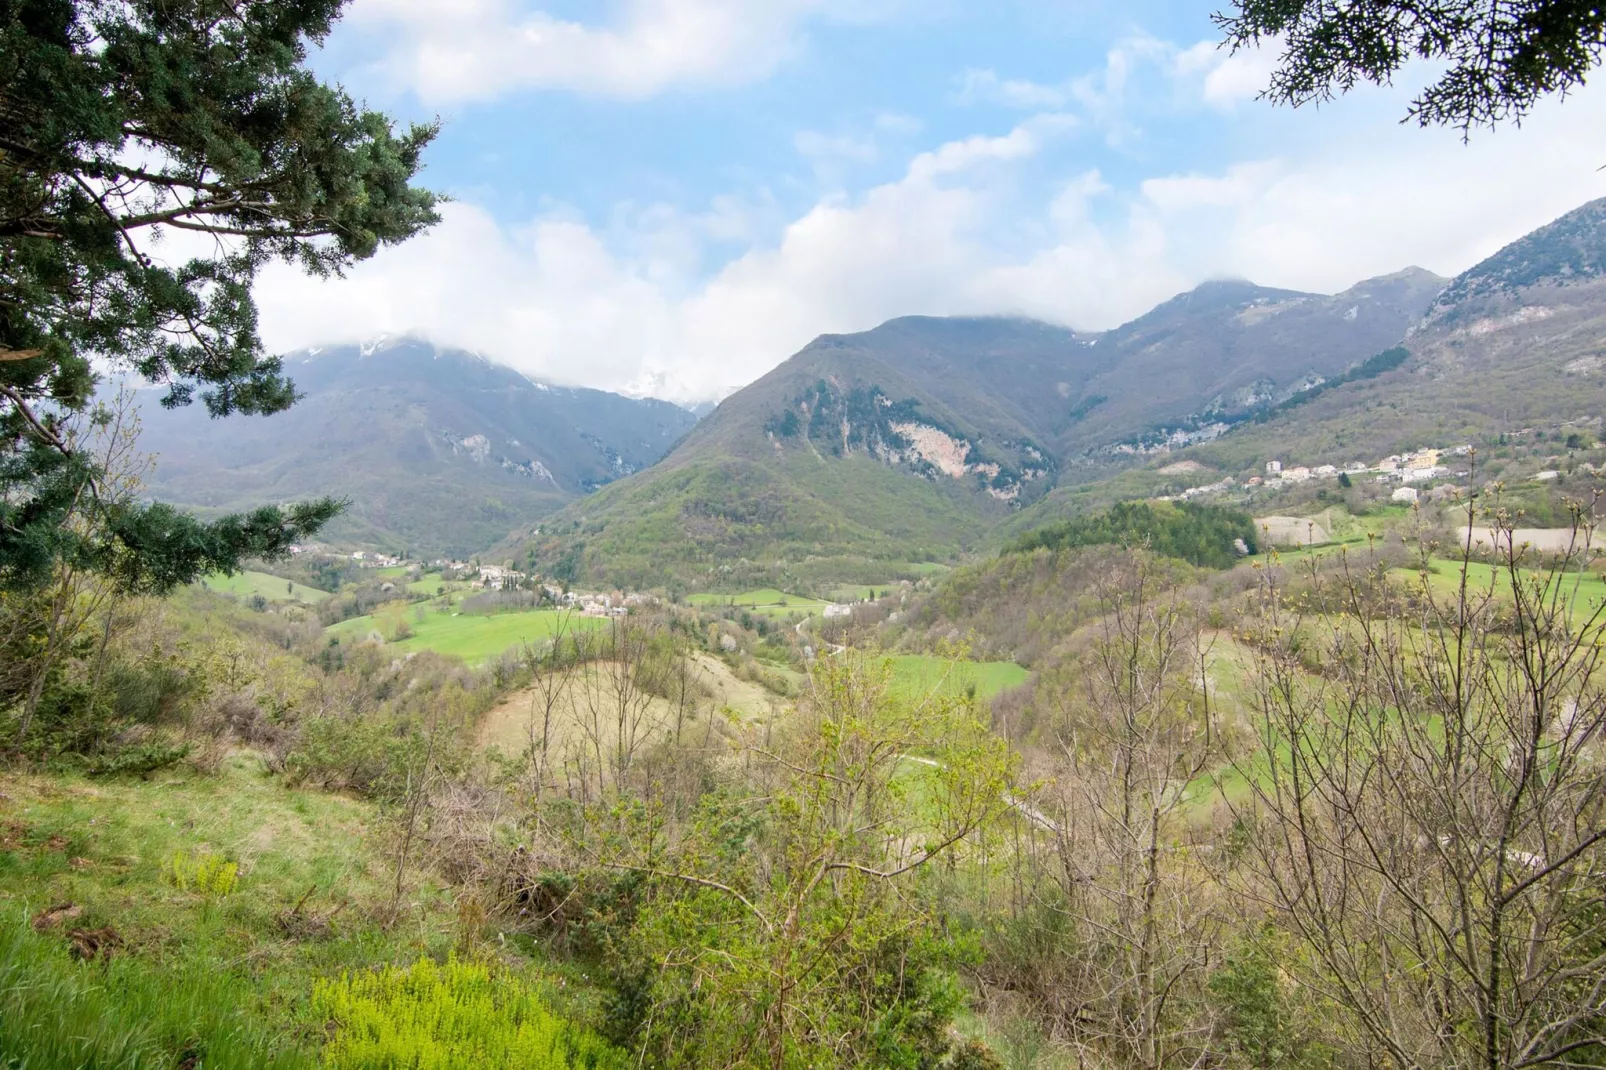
{"points": [[1406, 469], [616, 604], [1420, 466]]}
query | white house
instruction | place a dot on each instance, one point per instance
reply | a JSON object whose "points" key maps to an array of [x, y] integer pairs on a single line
{"points": [[1419, 475], [838, 610], [1404, 494], [1326, 470], [1547, 475], [1274, 468]]}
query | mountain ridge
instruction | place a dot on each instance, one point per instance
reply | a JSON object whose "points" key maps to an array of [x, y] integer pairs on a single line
{"points": [[951, 426], [439, 450]]}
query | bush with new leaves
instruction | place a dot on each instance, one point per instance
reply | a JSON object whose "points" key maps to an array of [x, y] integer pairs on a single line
{"points": [[451, 1017], [207, 874]]}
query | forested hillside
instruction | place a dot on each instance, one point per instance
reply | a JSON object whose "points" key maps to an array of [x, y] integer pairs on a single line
{"points": [[867, 453], [437, 450]]}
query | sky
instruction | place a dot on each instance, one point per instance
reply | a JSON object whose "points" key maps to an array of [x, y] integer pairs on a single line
{"points": [[670, 197]]}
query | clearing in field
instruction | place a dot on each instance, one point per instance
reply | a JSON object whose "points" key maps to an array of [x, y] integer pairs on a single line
{"points": [[1292, 531], [508, 725]]}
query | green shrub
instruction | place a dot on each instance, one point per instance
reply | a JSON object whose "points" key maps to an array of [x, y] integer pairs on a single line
{"points": [[451, 1017], [1258, 1027], [208, 874], [137, 760]]}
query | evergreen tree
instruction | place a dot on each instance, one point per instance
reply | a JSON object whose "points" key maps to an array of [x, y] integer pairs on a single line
{"points": [[1495, 60], [122, 121]]}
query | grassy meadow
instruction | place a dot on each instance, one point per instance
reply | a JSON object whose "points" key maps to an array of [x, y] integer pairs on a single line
{"points": [[272, 588], [188, 978], [765, 601], [917, 675], [472, 637]]}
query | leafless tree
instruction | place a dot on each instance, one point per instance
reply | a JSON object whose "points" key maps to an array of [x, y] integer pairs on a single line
{"points": [[46, 623], [616, 711], [551, 673], [1133, 745], [1430, 816]]}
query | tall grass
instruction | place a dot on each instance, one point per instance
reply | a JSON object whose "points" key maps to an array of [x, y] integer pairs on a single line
{"points": [[60, 1014]]}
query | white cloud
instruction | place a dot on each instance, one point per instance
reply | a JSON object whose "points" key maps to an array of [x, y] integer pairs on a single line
{"points": [[633, 305], [986, 87], [481, 49], [1139, 66], [1228, 77]]}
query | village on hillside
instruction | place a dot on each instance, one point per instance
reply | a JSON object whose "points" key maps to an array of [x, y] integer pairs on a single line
{"points": [[1411, 470]]}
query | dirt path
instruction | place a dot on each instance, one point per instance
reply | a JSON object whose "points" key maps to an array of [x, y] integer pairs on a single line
{"points": [[1024, 809]]}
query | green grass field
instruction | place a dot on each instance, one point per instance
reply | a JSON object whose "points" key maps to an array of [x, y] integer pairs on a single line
{"points": [[759, 599], [766, 602], [1582, 590], [865, 592], [472, 637], [918, 675], [273, 588], [430, 583]]}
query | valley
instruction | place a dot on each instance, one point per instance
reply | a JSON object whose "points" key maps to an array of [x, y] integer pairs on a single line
{"points": [[1223, 689]]}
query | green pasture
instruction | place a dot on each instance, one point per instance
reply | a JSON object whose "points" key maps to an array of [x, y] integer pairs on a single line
{"points": [[918, 675], [766, 601], [759, 599], [862, 592], [472, 637], [1582, 590], [273, 588], [431, 582]]}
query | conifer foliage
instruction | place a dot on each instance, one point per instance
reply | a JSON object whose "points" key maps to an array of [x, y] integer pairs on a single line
{"points": [[154, 155]]}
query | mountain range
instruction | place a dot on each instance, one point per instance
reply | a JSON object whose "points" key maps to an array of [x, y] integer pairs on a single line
{"points": [[871, 455], [439, 451], [915, 441], [868, 455]]}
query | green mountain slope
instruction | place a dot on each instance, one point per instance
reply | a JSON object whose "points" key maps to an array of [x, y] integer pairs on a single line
{"points": [[439, 451], [1517, 341], [867, 453]]}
